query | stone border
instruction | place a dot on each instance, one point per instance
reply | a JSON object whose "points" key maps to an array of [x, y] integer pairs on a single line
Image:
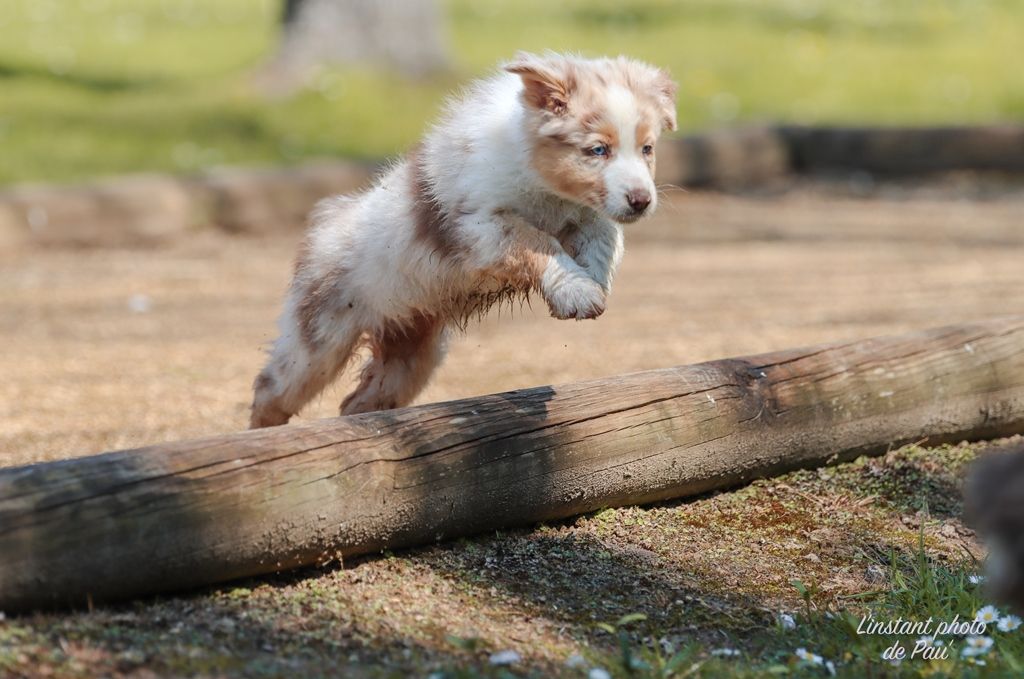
{"points": [[152, 209], [746, 157], [901, 151]]}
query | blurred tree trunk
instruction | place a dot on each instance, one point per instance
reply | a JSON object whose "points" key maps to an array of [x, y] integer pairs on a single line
{"points": [[406, 35], [291, 9]]}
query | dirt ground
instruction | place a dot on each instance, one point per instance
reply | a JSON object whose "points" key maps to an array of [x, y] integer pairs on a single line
{"points": [[109, 349]]}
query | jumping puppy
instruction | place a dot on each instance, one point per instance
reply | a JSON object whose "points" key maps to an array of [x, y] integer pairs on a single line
{"points": [[521, 187]]}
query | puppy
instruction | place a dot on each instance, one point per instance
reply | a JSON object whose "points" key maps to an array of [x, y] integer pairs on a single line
{"points": [[522, 187]]}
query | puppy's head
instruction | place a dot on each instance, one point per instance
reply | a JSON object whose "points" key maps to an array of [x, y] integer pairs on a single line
{"points": [[594, 126]]}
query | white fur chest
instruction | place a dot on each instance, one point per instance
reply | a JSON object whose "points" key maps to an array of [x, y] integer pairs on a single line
{"points": [[549, 212]]}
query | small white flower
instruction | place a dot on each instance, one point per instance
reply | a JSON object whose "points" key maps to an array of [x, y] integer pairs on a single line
{"points": [[975, 579], [929, 641], [976, 646], [508, 657], [599, 673], [984, 643], [975, 661], [787, 621], [725, 652], [987, 614], [831, 667], [1006, 624], [808, 657], [575, 661]]}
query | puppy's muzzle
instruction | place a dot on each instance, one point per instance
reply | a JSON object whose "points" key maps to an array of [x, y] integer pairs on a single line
{"points": [[638, 200]]}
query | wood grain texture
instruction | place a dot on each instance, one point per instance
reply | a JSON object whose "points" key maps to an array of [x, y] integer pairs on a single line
{"points": [[179, 515]]}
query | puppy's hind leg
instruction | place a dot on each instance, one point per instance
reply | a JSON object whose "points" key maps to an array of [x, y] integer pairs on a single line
{"points": [[314, 346], [404, 357]]}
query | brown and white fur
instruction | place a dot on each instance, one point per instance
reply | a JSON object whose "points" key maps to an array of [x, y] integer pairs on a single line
{"points": [[522, 187]]}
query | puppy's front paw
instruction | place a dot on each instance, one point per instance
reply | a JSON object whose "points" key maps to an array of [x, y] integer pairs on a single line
{"points": [[578, 297]]}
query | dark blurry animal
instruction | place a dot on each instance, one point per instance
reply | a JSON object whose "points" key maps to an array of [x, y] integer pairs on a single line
{"points": [[995, 507]]}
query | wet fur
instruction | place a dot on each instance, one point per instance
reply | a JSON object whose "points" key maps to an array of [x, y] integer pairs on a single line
{"points": [[503, 198]]}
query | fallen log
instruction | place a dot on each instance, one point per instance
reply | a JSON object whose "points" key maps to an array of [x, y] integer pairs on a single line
{"points": [[178, 515]]}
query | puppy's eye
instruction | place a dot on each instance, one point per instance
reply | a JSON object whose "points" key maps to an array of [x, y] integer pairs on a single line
{"points": [[599, 150], [648, 149]]}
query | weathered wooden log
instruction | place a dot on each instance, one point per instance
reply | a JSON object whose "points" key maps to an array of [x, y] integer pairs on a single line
{"points": [[178, 515]]}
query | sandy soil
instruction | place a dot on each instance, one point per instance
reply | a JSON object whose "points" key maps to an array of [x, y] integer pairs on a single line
{"points": [[109, 349]]}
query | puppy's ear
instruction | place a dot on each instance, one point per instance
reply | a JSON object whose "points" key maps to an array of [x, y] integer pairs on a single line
{"points": [[548, 82], [665, 93]]}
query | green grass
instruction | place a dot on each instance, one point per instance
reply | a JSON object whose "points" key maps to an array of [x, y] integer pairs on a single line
{"points": [[93, 87], [828, 637]]}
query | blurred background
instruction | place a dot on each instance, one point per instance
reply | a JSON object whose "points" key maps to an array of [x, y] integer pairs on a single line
{"points": [[138, 309], [100, 87]]}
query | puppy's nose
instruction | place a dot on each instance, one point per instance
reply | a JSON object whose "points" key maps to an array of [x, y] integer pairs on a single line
{"points": [[638, 200]]}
